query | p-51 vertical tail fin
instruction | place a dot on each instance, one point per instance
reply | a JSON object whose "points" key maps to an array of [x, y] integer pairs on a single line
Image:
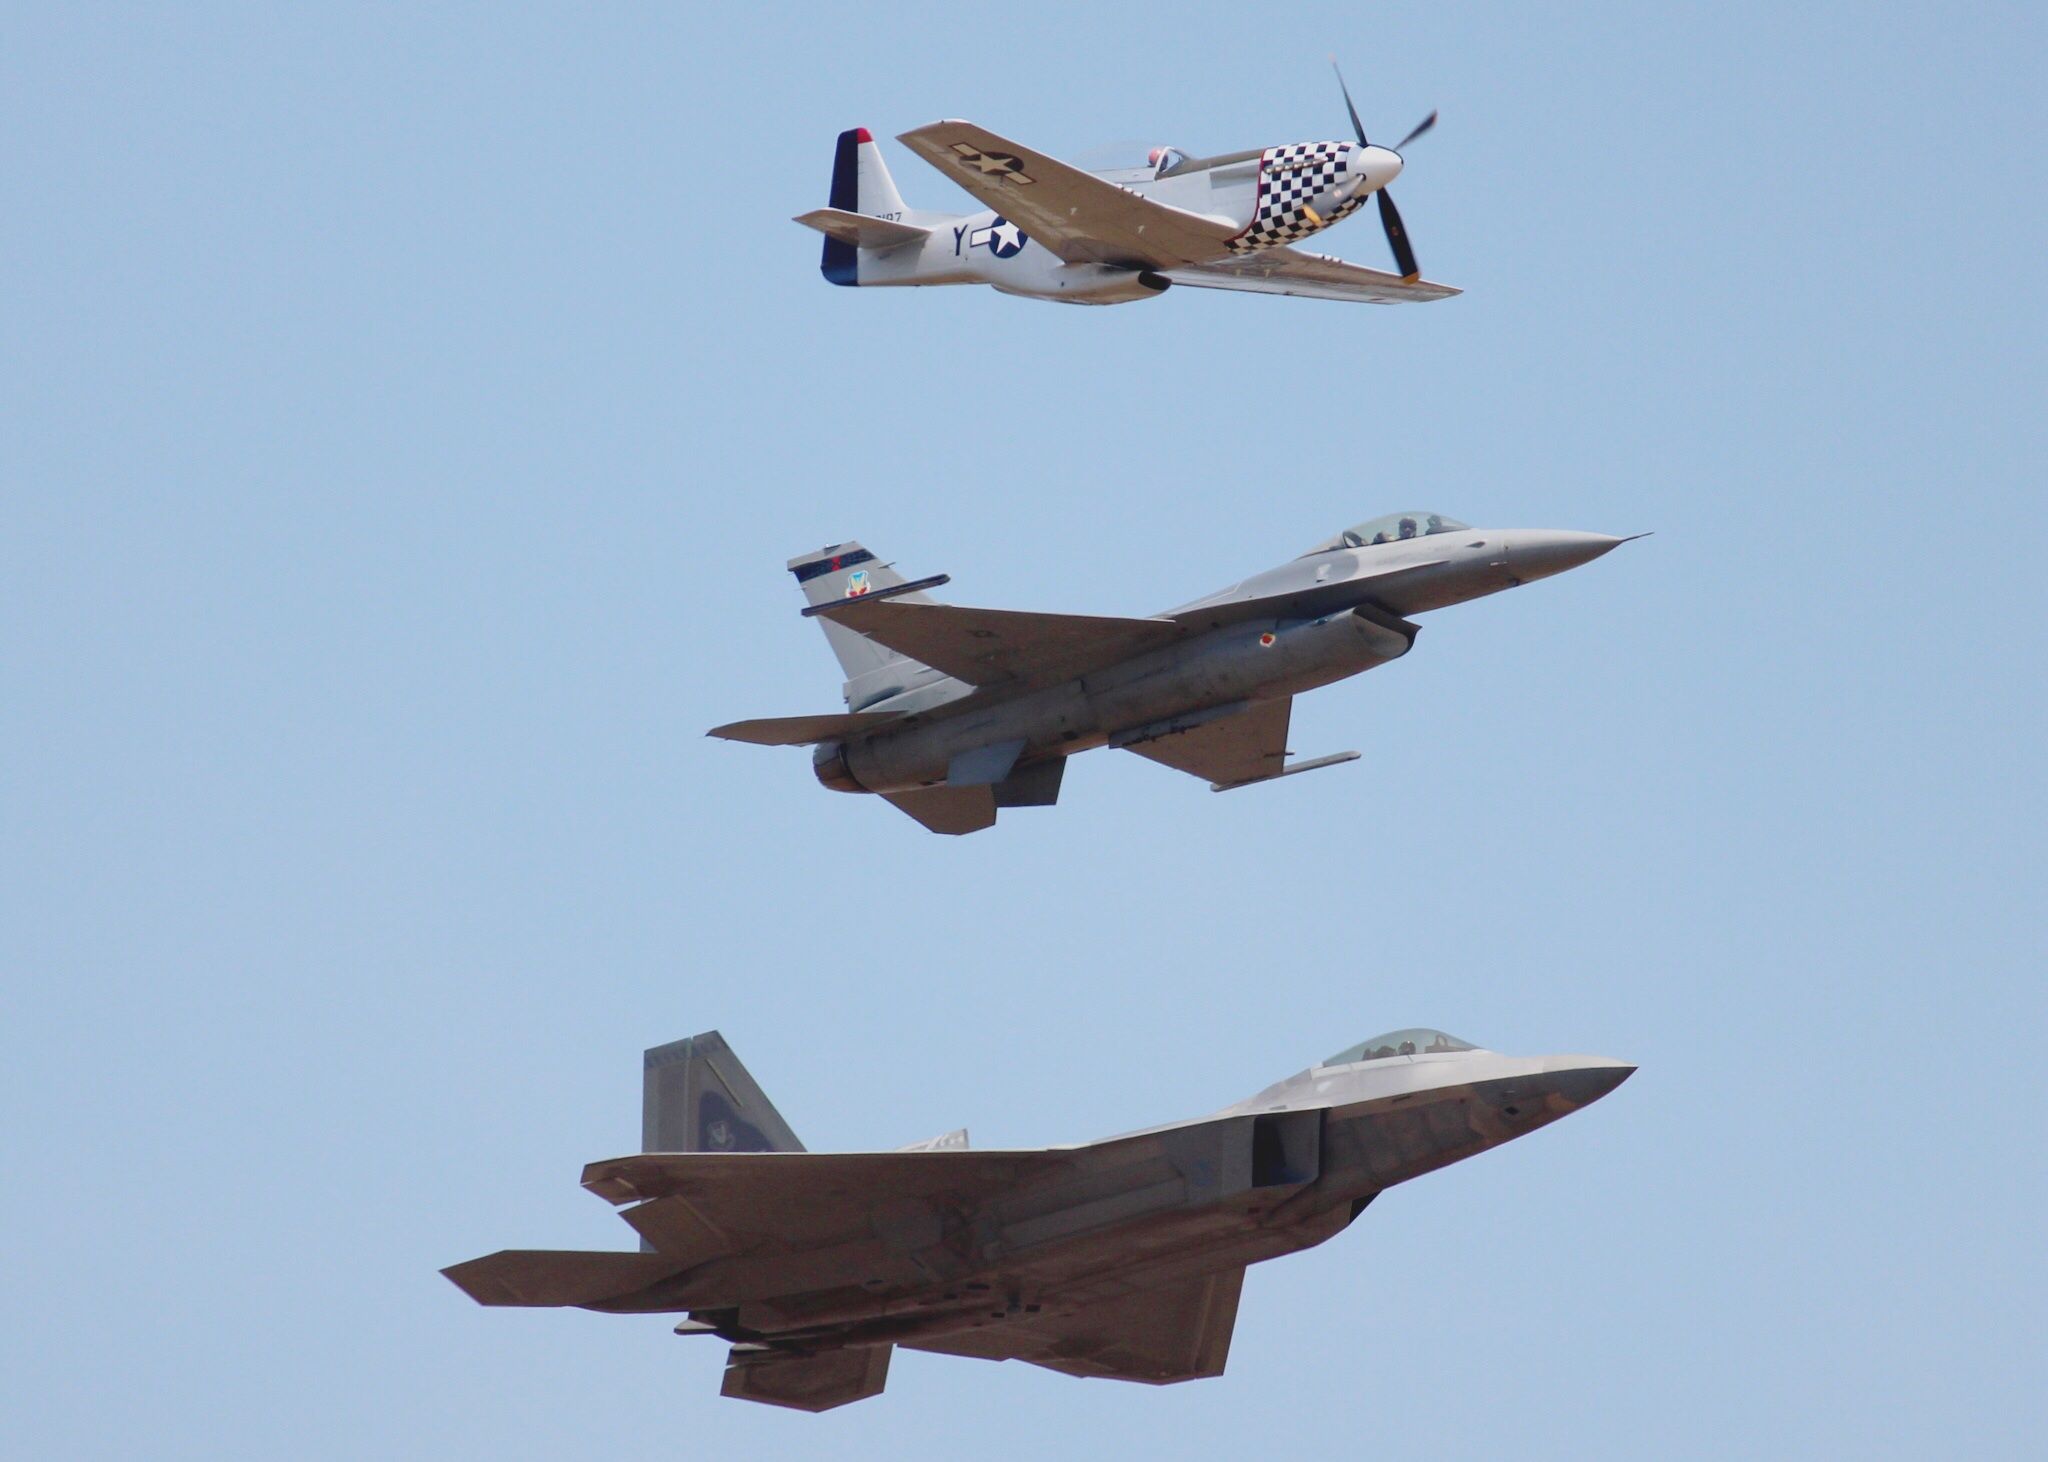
{"points": [[860, 184]]}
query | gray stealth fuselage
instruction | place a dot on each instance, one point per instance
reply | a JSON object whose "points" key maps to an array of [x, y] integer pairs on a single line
{"points": [[1119, 1259]]}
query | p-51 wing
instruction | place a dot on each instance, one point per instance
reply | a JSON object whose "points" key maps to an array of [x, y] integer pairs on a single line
{"points": [[1158, 1336], [1311, 276], [1078, 216]]}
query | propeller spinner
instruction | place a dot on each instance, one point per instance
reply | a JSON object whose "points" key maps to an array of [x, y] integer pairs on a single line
{"points": [[1390, 216]]}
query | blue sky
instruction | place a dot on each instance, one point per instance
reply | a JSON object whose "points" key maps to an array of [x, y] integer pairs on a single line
{"points": [[408, 415]]}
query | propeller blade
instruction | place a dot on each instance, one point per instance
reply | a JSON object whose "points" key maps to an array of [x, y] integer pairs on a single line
{"points": [[1356, 125], [1420, 127], [1404, 257]]}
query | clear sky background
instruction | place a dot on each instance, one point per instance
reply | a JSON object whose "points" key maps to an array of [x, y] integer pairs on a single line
{"points": [[407, 414]]}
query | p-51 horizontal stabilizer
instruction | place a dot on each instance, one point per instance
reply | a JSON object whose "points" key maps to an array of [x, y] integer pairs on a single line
{"points": [[860, 230], [802, 730]]}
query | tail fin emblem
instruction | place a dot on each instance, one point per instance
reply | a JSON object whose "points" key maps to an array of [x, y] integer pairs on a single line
{"points": [[856, 583]]}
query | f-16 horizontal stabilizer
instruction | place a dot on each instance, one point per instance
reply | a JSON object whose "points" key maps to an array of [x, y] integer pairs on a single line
{"points": [[550, 1277], [802, 730], [806, 1382]]}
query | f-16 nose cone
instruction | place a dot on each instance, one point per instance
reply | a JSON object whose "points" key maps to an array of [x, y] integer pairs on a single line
{"points": [[1583, 1085], [1375, 167], [1539, 553]]}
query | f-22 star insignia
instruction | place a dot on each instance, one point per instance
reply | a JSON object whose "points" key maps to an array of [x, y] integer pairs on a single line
{"points": [[997, 164]]}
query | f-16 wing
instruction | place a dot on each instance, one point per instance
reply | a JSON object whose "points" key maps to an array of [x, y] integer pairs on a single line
{"points": [[1078, 216], [1157, 1336], [1247, 745], [1003, 647], [1312, 276]]}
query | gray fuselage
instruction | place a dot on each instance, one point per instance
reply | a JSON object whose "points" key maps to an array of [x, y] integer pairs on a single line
{"points": [[1342, 610], [1282, 1171]]}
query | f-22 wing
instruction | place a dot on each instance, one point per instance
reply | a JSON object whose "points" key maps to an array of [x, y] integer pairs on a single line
{"points": [[1177, 1332]]}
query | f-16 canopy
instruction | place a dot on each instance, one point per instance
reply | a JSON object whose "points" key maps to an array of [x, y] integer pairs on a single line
{"points": [[1391, 528], [1415, 1041]]}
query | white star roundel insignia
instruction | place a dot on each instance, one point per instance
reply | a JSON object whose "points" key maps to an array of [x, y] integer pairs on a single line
{"points": [[993, 164]]}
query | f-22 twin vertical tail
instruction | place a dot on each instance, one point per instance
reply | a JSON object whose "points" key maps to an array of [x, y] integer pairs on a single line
{"points": [[953, 713]]}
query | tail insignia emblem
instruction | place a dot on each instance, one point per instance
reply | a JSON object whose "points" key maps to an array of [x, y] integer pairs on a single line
{"points": [[856, 583]]}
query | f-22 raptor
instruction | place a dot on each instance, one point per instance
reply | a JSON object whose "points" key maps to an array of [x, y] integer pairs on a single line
{"points": [[953, 713], [1120, 1259]]}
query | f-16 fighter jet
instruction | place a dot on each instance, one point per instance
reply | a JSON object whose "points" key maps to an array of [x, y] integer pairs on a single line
{"points": [[1056, 232], [952, 713], [1120, 1259]]}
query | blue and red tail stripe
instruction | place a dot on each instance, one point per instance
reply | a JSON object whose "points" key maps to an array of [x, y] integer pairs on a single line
{"points": [[841, 260]]}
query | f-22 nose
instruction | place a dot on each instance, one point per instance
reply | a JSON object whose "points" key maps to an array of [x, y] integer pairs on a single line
{"points": [[1584, 1085]]}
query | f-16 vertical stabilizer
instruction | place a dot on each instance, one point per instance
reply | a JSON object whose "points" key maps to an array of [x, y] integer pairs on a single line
{"points": [[849, 571]]}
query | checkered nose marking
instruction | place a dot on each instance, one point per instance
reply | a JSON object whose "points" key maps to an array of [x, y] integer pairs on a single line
{"points": [[1304, 187]]}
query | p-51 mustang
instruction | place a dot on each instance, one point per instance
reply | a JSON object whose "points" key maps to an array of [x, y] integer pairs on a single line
{"points": [[952, 713], [1056, 232], [1120, 1259]]}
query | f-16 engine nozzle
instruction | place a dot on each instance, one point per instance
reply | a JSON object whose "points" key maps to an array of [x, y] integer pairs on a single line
{"points": [[828, 760]]}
